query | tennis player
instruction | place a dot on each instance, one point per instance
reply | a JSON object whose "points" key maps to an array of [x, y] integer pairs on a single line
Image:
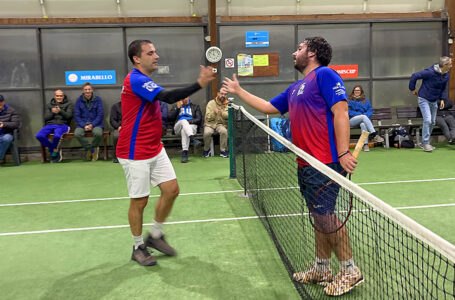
{"points": [[318, 112], [139, 147]]}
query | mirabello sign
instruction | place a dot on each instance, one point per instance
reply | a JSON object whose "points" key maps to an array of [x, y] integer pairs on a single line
{"points": [[346, 71], [94, 77]]}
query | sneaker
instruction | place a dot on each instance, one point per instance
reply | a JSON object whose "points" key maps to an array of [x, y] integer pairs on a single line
{"points": [[54, 158], [427, 147], [95, 154], [313, 276], [224, 154], [366, 148], [184, 156], [452, 142], [160, 245], [206, 154], [433, 147], [196, 142], [344, 282], [115, 161], [378, 139], [88, 155], [142, 256]]}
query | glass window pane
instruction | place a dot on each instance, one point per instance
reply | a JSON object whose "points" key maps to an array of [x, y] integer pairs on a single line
{"points": [[400, 49], [281, 41], [81, 49], [19, 58], [350, 43], [181, 51], [389, 93]]}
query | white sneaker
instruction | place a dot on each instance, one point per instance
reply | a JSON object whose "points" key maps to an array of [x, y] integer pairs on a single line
{"points": [[427, 147], [378, 139], [344, 282], [366, 148]]}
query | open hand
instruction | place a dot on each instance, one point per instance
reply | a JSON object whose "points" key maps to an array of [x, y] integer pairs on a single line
{"points": [[206, 75]]}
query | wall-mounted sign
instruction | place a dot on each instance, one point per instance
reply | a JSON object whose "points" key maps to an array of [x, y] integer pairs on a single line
{"points": [[346, 71], [94, 77], [228, 63], [257, 39]]}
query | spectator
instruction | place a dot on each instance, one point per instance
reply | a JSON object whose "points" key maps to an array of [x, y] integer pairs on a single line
{"points": [[433, 88], [164, 116], [445, 120], [57, 117], [9, 120], [360, 112], [89, 115], [115, 120], [216, 116], [187, 117]]}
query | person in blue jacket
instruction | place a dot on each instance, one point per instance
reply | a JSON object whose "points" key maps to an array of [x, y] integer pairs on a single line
{"points": [[433, 88], [89, 114], [360, 112]]}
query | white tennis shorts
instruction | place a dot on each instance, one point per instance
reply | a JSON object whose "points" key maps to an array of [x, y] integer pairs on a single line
{"points": [[141, 173]]}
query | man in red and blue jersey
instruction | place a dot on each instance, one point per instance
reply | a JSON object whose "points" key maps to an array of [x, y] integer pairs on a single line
{"points": [[318, 113], [139, 147]]}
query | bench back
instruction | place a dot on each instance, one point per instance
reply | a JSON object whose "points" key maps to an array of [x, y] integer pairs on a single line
{"points": [[408, 112]]}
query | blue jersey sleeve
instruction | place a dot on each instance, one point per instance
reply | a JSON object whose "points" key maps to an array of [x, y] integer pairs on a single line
{"points": [[331, 86], [144, 87], [281, 101]]}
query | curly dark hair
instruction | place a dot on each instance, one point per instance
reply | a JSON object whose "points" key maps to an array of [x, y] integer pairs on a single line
{"points": [[135, 48], [321, 47]]}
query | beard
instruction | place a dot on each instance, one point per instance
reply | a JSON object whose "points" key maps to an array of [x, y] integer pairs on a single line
{"points": [[301, 62]]}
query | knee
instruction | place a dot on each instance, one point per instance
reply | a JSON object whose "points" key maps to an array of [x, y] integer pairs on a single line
{"points": [[8, 138], [79, 132]]}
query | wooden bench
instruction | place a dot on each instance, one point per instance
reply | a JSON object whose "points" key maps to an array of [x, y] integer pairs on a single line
{"points": [[70, 135], [380, 115]]}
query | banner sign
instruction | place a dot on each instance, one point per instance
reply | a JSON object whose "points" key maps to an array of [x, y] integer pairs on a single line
{"points": [[257, 39], [94, 77], [346, 71]]}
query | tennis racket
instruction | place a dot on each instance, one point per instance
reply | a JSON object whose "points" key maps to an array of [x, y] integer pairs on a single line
{"points": [[331, 205]]}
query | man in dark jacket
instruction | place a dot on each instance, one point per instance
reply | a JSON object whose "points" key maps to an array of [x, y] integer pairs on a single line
{"points": [[115, 120], [445, 120], [9, 120], [434, 84], [187, 117], [57, 118], [88, 112]]}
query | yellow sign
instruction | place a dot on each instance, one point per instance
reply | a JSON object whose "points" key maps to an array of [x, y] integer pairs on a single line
{"points": [[261, 60]]}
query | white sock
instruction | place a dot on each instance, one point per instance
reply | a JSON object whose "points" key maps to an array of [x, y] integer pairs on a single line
{"points": [[157, 229], [322, 264], [138, 240], [348, 265]]}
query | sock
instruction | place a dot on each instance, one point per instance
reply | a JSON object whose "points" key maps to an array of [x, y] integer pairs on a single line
{"points": [[157, 229], [373, 134], [348, 265], [138, 240], [322, 264]]}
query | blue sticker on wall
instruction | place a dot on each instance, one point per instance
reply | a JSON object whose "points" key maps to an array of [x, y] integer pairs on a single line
{"points": [[257, 39], [94, 77]]}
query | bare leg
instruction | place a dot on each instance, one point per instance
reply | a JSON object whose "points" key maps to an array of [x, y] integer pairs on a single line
{"points": [[169, 191], [135, 214]]}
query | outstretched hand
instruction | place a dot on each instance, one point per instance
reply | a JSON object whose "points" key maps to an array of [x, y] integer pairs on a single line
{"points": [[232, 86], [206, 75]]}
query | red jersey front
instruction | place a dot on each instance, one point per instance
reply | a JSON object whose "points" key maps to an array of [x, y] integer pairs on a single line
{"points": [[140, 135]]}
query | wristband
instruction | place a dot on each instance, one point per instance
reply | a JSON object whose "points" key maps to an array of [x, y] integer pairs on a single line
{"points": [[343, 154]]}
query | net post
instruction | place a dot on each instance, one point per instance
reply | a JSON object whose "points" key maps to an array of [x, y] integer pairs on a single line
{"points": [[232, 171], [242, 123]]}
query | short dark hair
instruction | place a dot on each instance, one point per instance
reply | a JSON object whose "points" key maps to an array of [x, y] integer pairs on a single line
{"points": [[135, 48], [85, 84], [321, 47]]}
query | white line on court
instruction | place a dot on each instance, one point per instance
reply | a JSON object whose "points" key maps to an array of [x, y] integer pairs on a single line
{"points": [[191, 221], [207, 193]]}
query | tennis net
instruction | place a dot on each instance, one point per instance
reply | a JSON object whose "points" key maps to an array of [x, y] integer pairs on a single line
{"points": [[398, 258]]}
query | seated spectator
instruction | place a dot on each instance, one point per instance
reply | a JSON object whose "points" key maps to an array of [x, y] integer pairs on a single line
{"points": [[9, 120], [88, 112], [164, 116], [57, 117], [115, 119], [360, 112], [445, 120], [216, 116], [187, 117]]}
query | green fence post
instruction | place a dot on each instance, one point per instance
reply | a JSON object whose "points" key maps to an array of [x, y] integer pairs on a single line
{"points": [[232, 173]]}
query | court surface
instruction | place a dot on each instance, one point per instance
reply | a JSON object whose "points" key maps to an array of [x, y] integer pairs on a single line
{"points": [[64, 231]]}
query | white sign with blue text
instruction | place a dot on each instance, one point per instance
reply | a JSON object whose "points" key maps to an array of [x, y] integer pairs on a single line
{"points": [[94, 77]]}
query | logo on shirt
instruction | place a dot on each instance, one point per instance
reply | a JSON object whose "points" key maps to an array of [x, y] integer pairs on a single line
{"points": [[339, 89], [150, 86], [302, 87]]}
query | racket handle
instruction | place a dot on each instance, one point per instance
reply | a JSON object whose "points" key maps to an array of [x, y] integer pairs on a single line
{"points": [[360, 143]]}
